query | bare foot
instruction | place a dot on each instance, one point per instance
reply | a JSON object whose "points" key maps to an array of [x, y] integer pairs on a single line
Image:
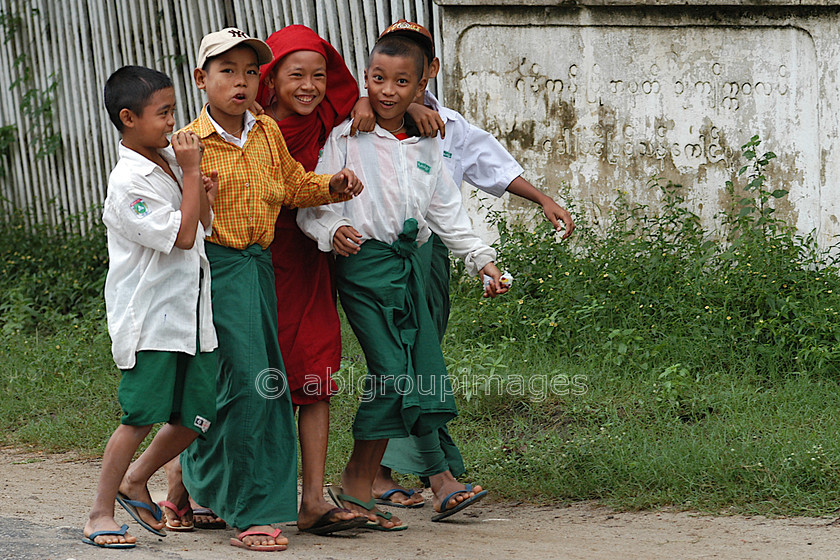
{"points": [[444, 484], [264, 540], [107, 524], [384, 483]]}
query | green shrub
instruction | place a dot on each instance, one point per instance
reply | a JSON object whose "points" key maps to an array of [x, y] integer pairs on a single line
{"points": [[656, 289], [49, 277]]}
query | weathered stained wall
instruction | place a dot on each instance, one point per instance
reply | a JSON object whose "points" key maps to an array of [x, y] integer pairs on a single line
{"points": [[605, 97]]}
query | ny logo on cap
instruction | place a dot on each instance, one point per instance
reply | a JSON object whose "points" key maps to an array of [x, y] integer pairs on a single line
{"points": [[238, 33]]}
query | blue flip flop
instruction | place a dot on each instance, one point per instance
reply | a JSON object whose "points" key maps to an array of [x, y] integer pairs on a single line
{"points": [[121, 532], [383, 499], [131, 507], [444, 513]]}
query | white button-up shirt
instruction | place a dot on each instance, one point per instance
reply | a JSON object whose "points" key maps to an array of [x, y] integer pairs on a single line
{"points": [[473, 154], [153, 296], [403, 179]]}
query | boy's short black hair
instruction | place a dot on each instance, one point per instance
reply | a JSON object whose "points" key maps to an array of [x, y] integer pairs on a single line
{"points": [[397, 45], [130, 88]]}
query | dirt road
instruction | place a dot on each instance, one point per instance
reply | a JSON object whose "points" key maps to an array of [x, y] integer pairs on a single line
{"points": [[44, 501]]}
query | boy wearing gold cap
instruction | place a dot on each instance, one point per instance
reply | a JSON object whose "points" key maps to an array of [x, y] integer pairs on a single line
{"points": [[474, 155], [408, 195]]}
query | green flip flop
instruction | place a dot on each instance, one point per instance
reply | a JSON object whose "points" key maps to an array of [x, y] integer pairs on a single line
{"points": [[339, 498], [387, 517]]}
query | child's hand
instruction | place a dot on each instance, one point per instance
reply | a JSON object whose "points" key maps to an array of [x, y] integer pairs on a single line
{"points": [[211, 185], [494, 287], [428, 121], [346, 182], [364, 119], [256, 108], [347, 241], [188, 150], [555, 214]]}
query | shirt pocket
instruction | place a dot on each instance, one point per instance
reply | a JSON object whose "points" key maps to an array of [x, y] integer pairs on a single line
{"points": [[422, 175]]}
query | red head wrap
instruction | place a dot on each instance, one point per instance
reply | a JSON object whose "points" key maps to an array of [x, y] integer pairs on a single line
{"points": [[305, 135]]}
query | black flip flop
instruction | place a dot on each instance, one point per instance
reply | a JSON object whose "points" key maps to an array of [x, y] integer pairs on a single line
{"points": [[325, 527], [207, 525]]}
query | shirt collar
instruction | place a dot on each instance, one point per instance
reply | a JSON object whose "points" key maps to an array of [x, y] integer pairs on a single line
{"points": [[142, 164], [344, 130], [204, 127], [379, 131], [429, 100], [207, 126]]}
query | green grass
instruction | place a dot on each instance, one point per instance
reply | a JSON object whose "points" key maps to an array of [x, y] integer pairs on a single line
{"points": [[59, 388], [757, 450], [760, 447], [649, 364]]}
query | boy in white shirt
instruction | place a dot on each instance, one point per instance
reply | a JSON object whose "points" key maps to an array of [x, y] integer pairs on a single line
{"points": [[157, 297], [380, 281], [475, 155]]}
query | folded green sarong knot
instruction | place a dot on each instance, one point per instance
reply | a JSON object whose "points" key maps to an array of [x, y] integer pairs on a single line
{"points": [[406, 243], [252, 251]]}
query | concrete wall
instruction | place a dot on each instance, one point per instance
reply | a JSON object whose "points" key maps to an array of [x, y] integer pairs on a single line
{"points": [[605, 94]]}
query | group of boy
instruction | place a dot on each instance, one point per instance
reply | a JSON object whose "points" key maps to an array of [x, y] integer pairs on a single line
{"points": [[193, 353]]}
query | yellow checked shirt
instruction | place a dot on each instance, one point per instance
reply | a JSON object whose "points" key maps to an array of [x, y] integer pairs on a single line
{"points": [[255, 182]]}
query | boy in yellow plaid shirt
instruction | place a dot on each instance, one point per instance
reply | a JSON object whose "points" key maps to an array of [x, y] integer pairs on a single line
{"points": [[247, 470]]}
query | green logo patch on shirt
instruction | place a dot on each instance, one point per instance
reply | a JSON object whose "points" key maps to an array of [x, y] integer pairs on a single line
{"points": [[424, 166], [447, 154], [139, 207]]}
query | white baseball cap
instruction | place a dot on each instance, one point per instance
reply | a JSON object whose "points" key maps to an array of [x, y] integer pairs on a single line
{"points": [[216, 43]]}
